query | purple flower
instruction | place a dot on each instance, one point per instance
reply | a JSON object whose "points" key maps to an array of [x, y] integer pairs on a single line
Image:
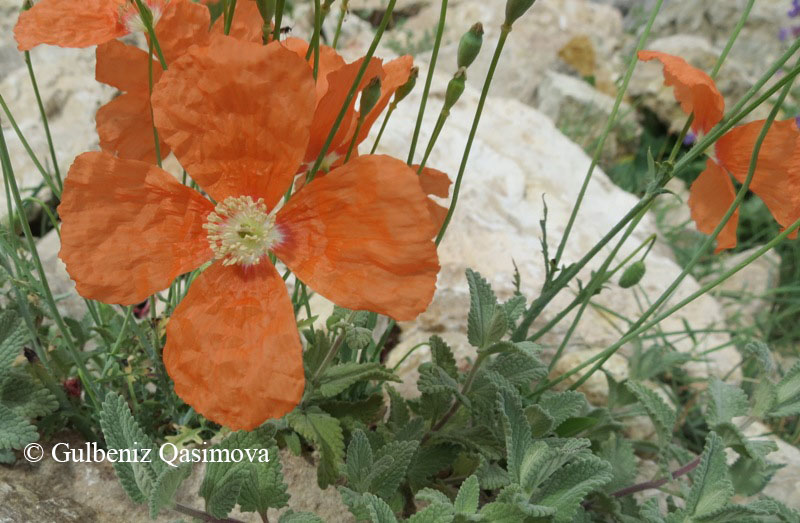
{"points": [[689, 139], [797, 121], [795, 11]]}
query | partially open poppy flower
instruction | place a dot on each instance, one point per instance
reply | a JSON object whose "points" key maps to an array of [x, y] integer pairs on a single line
{"points": [[694, 89], [124, 125], [360, 237]]}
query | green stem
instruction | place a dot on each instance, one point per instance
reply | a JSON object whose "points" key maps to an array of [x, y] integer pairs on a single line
{"points": [[501, 42], [229, 17], [437, 129], [147, 19], [45, 123], [428, 81], [314, 47], [354, 141], [609, 125], [334, 350], [276, 34], [353, 90], [150, 103], [389, 112], [342, 13]]}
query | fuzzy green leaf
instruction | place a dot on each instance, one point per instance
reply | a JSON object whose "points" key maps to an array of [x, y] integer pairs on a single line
{"points": [[290, 516], [788, 394], [355, 502], [467, 499], [442, 356], [762, 355], [264, 486], [338, 378], [435, 380], [517, 433], [359, 461], [660, 413], [765, 397], [733, 437], [750, 476], [514, 308], [485, 319], [402, 452], [519, 369], [165, 487], [428, 461], [26, 397], [502, 512], [12, 339], [618, 452], [358, 338], [435, 513], [726, 402], [15, 431], [491, 475], [433, 496], [712, 488], [378, 510], [569, 485], [540, 421], [398, 413], [326, 433], [562, 405], [545, 457]]}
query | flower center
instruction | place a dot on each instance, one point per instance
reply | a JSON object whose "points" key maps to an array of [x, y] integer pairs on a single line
{"points": [[240, 230], [131, 18]]}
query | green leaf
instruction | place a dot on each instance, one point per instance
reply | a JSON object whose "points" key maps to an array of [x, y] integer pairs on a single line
{"points": [[491, 475], [574, 426], [326, 433], [435, 513], [12, 339], [15, 431], [435, 380], [619, 453], [514, 308], [290, 516], [358, 338], [468, 495], [765, 397], [486, 321], [402, 452], [712, 488], [733, 437], [7, 457], [649, 363], [568, 486], [378, 510], [519, 369], [502, 512], [562, 405], [318, 348], [788, 394], [123, 433], [433, 496], [726, 402], [540, 421], [338, 378], [359, 461], [355, 502], [763, 356], [165, 487], [545, 457], [398, 413], [750, 476], [442, 356], [517, 433], [428, 461], [264, 486], [26, 397], [660, 413]]}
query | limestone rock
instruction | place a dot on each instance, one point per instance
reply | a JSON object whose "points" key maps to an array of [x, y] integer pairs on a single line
{"points": [[69, 303], [785, 484]]}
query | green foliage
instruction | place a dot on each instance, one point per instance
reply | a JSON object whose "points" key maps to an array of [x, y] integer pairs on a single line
{"points": [[325, 432], [336, 379], [660, 413], [487, 321]]}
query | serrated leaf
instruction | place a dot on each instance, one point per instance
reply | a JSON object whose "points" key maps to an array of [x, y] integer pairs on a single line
{"points": [[26, 397], [433, 497], [761, 353], [562, 405], [326, 433], [468, 495], [165, 487], [503, 512], [442, 356], [435, 380], [402, 452], [264, 486], [765, 397], [517, 433], [788, 394], [121, 432], [540, 421], [545, 457], [514, 308], [428, 461], [483, 320], [568, 486], [660, 413], [221, 500], [491, 475], [733, 437], [359, 461], [318, 348], [398, 412], [711, 488], [355, 503], [15, 431], [750, 476], [12, 339], [366, 411], [519, 369], [339, 377], [290, 516], [358, 338], [378, 510], [654, 361], [436, 513], [726, 402], [619, 453]]}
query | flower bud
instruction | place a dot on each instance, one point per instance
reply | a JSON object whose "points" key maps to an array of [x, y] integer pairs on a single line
{"points": [[267, 10], [455, 89], [407, 87], [632, 275], [370, 96], [470, 45], [515, 9]]}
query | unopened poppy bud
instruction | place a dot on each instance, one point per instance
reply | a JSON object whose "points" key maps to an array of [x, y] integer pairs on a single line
{"points": [[632, 275], [267, 9], [455, 89], [370, 96], [470, 45], [407, 87], [515, 9]]}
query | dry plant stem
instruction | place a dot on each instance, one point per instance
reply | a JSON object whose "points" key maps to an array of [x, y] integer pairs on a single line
{"points": [[45, 123], [501, 42], [429, 80], [609, 125], [202, 516], [72, 348], [353, 90]]}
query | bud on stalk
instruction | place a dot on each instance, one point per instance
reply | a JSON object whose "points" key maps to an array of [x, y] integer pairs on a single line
{"points": [[632, 275], [407, 87], [455, 89], [515, 9], [370, 96], [470, 45]]}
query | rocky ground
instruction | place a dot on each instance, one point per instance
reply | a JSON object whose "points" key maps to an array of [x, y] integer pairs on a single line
{"points": [[528, 151]]}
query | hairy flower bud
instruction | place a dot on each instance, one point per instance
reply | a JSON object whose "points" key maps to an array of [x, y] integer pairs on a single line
{"points": [[455, 89], [632, 275], [470, 45], [267, 10], [515, 9], [370, 96], [407, 87]]}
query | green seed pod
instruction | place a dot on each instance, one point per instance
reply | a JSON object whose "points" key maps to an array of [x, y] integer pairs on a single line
{"points": [[455, 89], [267, 10], [470, 45], [515, 9], [632, 275], [370, 96], [407, 87]]}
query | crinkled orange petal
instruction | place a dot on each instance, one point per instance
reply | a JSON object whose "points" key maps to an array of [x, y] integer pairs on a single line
{"points": [[129, 228], [694, 89], [182, 25], [328, 108], [237, 116], [246, 25], [710, 197], [435, 183], [774, 182], [233, 349], [69, 23], [361, 237], [126, 129], [397, 73], [329, 61], [124, 66]]}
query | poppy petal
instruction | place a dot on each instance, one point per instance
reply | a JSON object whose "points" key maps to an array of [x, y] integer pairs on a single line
{"points": [[435, 183], [397, 73], [710, 197], [361, 237], [124, 66], [181, 25], [247, 24], [694, 89], [123, 217], [67, 23], [237, 116], [233, 349], [774, 182], [126, 129], [329, 61]]}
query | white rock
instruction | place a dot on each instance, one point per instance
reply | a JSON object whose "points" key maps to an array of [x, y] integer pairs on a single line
{"points": [[785, 484]]}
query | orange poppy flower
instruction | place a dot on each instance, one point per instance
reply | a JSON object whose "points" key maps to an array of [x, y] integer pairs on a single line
{"points": [[358, 236], [125, 125], [694, 89]]}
